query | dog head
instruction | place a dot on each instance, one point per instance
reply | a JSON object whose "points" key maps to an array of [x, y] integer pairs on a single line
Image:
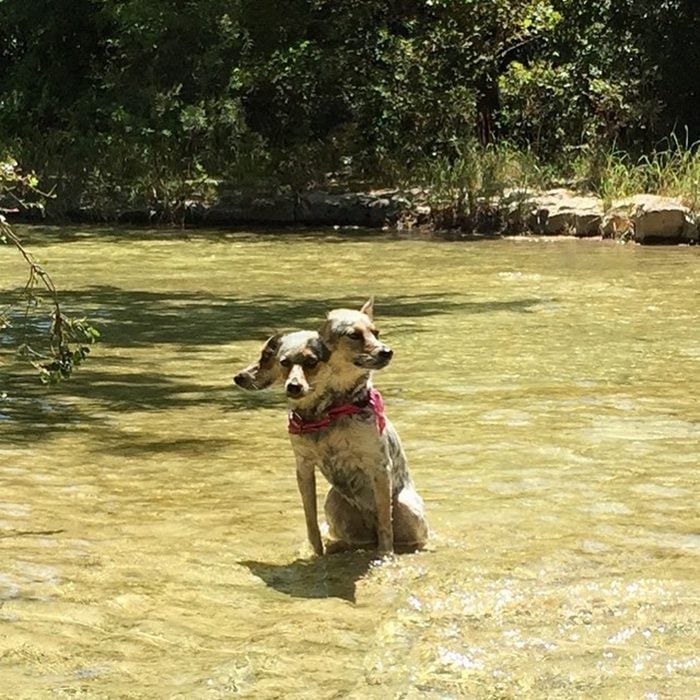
{"points": [[295, 360], [353, 339]]}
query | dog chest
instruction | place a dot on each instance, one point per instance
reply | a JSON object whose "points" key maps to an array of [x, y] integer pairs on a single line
{"points": [[347, 456], [351, 482]]}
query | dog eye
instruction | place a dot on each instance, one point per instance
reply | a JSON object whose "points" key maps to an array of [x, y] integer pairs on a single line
{"points": [[355, 335], [286, 362], [310, 362]]}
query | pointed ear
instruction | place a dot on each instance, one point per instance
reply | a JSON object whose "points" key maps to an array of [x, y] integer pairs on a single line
{"points": [[368, 308], [272, 344], [326, 333]]}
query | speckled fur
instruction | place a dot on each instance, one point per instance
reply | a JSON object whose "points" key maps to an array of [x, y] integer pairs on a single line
{"points": [[373, 498]]}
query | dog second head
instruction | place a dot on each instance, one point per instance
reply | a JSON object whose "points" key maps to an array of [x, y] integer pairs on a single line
{"points": [[295, 360], [353, 339]]}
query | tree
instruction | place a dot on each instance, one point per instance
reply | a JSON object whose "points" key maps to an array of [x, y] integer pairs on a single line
{"points": [[144, 101]]}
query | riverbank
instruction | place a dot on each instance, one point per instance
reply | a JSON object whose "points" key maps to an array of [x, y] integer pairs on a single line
{"points": [[642, 218]]}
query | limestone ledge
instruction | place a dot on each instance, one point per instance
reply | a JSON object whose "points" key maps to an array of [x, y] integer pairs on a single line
{"points": [[642, 218]]}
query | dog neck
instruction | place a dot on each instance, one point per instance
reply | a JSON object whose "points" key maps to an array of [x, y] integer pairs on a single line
{"points": [[334, 394], [372, 400]]}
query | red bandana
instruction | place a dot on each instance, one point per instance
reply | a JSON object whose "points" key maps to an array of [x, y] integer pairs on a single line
{"points": [[299, 426]]}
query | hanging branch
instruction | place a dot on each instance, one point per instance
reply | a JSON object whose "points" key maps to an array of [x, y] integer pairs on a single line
{"points": [[69, 338]]}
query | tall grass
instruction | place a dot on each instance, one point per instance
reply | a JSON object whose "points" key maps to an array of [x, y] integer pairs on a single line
{"points": [[675, 171], [479, 186], [672, 169], [469, 187]]}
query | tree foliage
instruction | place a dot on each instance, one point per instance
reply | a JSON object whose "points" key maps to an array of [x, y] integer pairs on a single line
{"points": [[145, 99]]}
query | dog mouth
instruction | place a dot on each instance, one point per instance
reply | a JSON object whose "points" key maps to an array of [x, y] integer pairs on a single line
{"points": [[246, 381], [372, 362]]}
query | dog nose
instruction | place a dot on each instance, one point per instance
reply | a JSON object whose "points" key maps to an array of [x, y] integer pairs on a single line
{"points": [[385, 353], [294, 389], [238, 379]]}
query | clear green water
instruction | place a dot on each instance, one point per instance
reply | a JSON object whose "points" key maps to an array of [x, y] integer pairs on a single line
{"points": [[152, 542]]}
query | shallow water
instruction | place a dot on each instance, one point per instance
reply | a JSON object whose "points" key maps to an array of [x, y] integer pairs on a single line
{"points": [[152, 542]]}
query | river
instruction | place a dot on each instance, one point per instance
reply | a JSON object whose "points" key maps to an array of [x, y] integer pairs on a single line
{"points": [[152, 543]]}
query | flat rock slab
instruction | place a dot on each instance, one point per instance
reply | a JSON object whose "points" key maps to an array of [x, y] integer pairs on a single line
{"points": [[643, 218], [561, 211], [663, 220]]}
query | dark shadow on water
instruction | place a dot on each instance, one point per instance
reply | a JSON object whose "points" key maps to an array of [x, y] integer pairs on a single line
{"points": [[136, 318], [31, 411], [333, 576], [135, 446], [187, 322]]}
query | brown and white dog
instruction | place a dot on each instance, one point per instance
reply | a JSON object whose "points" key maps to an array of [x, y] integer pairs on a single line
{"points": [[337, 423]]}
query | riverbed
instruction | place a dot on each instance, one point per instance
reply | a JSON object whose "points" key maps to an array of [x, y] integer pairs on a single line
{"points": [[152, 542]]}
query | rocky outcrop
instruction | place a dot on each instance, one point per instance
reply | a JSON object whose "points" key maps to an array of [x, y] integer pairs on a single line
{"points": [[649, 218], [372, 209], [642, 218], [657, 219], [311, 208], [560, 211], [250, 208], [556, 212]]}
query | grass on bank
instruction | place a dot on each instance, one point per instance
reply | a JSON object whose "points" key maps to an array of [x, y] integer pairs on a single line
{"points": [[673, 172], [467, 190], [473, 188]]}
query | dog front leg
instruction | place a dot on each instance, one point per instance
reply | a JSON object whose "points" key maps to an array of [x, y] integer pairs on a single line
{"points": [[382, 496], [306, 480]]}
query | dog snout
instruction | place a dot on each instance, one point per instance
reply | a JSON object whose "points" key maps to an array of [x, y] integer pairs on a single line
{"points": [[244, 380], [294, 388], [249, 379], [382, 356]]}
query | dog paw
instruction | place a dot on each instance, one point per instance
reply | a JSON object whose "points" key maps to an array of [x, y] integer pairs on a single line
{"points": [[383, 560], [337, 546], [385, 547]]}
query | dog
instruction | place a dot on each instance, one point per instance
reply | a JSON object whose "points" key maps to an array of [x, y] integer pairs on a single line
{"points": [[337, 422]]}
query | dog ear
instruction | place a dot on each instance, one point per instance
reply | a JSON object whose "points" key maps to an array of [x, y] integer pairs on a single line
{"points": [[272, 344], [326, 332], [368, 308]]}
